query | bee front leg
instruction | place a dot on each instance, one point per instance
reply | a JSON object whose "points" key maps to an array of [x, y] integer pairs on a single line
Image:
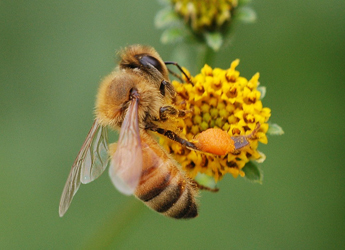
{"points": [[169, 111]]}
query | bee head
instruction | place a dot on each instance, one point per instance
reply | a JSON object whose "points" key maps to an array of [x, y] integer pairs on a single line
{"points": [[143, 60]]}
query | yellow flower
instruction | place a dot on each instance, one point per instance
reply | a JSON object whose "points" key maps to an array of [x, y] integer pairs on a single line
{"points": [[207, 15], [219, 99]]}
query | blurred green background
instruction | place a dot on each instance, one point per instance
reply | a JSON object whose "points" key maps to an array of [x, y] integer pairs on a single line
{"points": [[52, 57]]}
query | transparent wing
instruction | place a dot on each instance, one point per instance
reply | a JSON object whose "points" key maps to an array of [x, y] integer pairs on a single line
{"points": [[127, 161], [94, 158], [90, 163]]}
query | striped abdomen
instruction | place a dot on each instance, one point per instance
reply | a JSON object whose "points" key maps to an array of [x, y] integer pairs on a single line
{"points": [[163, 187]]}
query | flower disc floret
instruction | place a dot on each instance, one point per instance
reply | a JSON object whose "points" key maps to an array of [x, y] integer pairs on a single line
{"points": [[219, 99]]}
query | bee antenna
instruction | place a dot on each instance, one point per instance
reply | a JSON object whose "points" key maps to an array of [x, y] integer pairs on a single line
{"points": [[176, 75], [180, 68]]}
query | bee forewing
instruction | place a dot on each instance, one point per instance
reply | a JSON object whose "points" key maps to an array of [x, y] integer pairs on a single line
{"points": [[91, 161], [127, 161]]}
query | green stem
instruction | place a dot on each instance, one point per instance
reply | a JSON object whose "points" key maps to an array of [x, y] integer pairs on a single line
{"points": [[207, 56], [114, 229]]}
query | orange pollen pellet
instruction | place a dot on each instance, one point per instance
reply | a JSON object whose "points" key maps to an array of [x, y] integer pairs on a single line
{"points": [[215, 141]]}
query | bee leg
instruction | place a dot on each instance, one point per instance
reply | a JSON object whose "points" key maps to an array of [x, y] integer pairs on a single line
{"points": [[166, 111], [202, 187], [172, 136]]}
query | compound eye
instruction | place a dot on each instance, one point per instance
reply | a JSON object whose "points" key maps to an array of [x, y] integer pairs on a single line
{"points": [[149, 60]]}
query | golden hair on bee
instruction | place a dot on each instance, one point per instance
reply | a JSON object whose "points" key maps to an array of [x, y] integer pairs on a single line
{"points": [[137, 99]]}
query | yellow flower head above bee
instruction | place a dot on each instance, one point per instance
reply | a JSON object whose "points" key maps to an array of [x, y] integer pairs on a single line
{"points": [[205, 15], [225, 100]]}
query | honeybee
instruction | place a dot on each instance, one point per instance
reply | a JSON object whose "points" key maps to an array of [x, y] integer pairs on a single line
{"points": [[137, 98]]}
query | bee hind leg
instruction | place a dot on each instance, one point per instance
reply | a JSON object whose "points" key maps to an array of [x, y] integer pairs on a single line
{"points": [[202, 187], [172, 136]]}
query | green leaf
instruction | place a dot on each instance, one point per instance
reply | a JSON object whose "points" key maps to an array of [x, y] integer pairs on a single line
{"points": [[274, 129], [262, 157], [262, 90], [246, 14], [172, 35], [252, 172], [214, 40], [205, 180], [166, 17]]}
